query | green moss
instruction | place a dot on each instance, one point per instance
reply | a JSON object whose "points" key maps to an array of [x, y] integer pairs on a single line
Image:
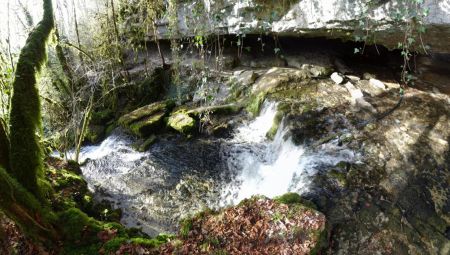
{"points": [[293, 198], [146, 242], [101, 117], [146, 111], [289, 198], [146, 144], [114, 244], [110, 128], [340, 177], [62, 178], [4, 147], [276, 124], [181, 122], [25, 117], [78, 227], [255, 103], [34, 218], [322, 240], [94, 134], [92, 249], [185, 227], [147, 126]]}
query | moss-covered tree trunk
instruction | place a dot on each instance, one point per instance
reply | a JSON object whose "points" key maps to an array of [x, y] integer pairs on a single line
{"points": [[18, 204], [4, 147], [25, 117]]}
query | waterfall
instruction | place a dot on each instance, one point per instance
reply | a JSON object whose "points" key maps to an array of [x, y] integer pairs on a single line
{"points": [[178, 177], [272, 168]]}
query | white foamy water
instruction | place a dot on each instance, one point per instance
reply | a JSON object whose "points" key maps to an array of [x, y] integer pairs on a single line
{"points": [[272, 168], [175, 177]]}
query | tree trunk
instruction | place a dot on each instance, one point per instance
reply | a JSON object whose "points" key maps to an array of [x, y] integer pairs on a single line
{"points": [[4, 148], [22, 207], [26, 157]]}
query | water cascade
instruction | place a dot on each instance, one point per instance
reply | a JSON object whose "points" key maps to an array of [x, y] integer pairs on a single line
{"points": [[174, 178]]}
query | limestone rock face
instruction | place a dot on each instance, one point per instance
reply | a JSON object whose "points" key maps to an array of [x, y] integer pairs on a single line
{"points": [[312, 18]]}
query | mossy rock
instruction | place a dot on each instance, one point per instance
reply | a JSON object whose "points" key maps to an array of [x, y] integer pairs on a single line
{"points": [[145, 111], [147, 126], [182, 122], [216, 109], [340, 177], [101, 117], [291, 198], [78, 226], [145, 145], [255, 103], [110, 128], [146, 120], [94, 134], [276, 124]]}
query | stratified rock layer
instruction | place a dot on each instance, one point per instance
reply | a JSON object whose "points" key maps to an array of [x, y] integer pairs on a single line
{"points": [[346, 19]]}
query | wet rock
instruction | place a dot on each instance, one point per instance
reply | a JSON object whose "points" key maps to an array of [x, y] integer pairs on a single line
{"points": [[145, 145], [337, 78]]}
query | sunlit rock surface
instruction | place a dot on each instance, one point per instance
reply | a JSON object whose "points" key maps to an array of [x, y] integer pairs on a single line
{"points": [[315, 18]]}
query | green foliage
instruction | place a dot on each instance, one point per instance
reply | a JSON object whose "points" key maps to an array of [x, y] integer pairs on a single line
{"points": [[25, 117], [409, 17], [6, 81]]}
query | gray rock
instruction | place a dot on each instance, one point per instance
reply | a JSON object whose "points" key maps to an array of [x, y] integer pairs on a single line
{"points": [[311, 18], [247, 78], [337, 78], [358, 98], [377, 84]]}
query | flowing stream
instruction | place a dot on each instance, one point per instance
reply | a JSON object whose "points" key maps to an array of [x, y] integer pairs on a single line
{"points": [[175, 178]]}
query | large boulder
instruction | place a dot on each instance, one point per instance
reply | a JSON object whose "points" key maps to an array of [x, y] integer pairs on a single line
{"points": [[147, 119]]}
